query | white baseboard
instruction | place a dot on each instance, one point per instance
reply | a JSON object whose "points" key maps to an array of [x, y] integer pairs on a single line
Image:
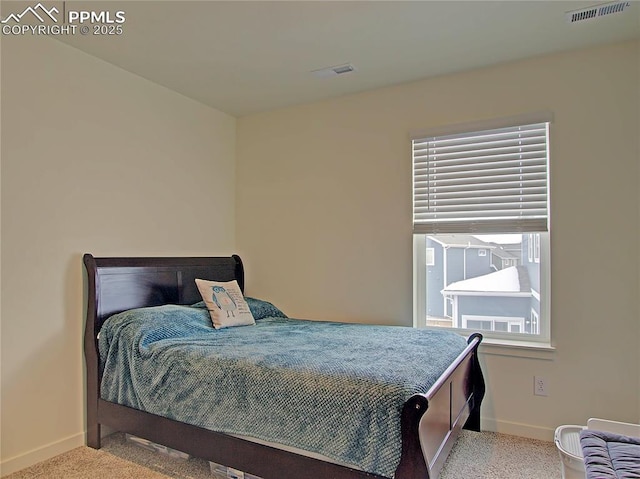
{"points": [[517, 429], [40, 454]]}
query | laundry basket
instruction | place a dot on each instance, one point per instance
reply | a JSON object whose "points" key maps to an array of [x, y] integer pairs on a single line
{"points": [[567, 439]]}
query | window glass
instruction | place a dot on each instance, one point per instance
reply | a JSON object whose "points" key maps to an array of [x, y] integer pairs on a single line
{"points": [[467, 290]]}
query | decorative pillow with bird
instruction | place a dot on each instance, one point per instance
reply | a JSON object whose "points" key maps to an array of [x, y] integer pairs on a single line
{"points": [[225, 303]]}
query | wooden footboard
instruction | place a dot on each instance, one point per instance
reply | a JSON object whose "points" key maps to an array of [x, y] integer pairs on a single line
{"points": [[430, 422]]}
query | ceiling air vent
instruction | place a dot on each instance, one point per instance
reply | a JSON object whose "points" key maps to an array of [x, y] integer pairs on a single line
{"points": [[596, 11], [334, 71]]}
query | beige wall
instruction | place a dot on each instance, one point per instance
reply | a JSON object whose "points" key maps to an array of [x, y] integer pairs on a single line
{"points": [[324, 219], [97, 160]]}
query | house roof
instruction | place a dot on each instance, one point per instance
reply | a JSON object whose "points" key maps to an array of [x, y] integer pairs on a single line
{"points": [[461, 241], [513, 281]]}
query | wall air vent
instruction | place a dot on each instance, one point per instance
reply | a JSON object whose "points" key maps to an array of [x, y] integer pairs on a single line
{"points": [[334, 71], [596, 11]]}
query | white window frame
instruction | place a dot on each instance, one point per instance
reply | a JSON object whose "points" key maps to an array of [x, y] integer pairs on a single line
{"points": [[539, 251], [541, 341]]}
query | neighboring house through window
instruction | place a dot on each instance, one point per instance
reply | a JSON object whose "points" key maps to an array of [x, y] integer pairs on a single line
{"points": [[480, 224], [430, 258]]}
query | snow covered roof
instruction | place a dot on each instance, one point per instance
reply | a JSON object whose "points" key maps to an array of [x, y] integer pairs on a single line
{"points": [[513, 281]]}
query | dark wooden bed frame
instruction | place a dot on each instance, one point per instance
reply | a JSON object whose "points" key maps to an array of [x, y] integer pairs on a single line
{"points": [[118, 284]]}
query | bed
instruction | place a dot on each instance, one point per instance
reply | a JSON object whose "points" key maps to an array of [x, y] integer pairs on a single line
{"points": [[428, 422]]}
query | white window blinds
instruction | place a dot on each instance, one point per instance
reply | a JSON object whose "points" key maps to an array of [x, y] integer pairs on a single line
{"points": [[488, 181]]}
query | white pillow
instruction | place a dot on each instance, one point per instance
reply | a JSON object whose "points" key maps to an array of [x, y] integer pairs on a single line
{"points": [[225, 303]]}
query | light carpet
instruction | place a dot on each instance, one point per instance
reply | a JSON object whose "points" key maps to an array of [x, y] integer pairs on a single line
{"points": [[483, 455]]}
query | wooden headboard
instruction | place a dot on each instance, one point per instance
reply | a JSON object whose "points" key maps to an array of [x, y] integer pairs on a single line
{"points": [[118, 284]]}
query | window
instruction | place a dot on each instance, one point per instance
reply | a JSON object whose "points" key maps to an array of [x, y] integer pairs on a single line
{"points": [[479, 188], [503, 324], [535, 322], [430, 257]]}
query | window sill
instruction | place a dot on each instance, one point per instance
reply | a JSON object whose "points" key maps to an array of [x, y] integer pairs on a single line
{"points": [[519, 349]]}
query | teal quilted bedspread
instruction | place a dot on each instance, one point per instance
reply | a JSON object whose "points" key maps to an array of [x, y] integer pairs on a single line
{"points": [[335, 389]]}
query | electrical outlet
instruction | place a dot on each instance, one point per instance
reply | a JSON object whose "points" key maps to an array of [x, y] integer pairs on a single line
{"points": [[540, 386]]}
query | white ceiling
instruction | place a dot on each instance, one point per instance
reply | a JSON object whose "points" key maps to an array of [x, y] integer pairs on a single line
{"points": [[243, 57]]}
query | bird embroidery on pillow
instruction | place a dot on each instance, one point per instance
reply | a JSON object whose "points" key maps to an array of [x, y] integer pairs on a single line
{"points": [[224, 301]]}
